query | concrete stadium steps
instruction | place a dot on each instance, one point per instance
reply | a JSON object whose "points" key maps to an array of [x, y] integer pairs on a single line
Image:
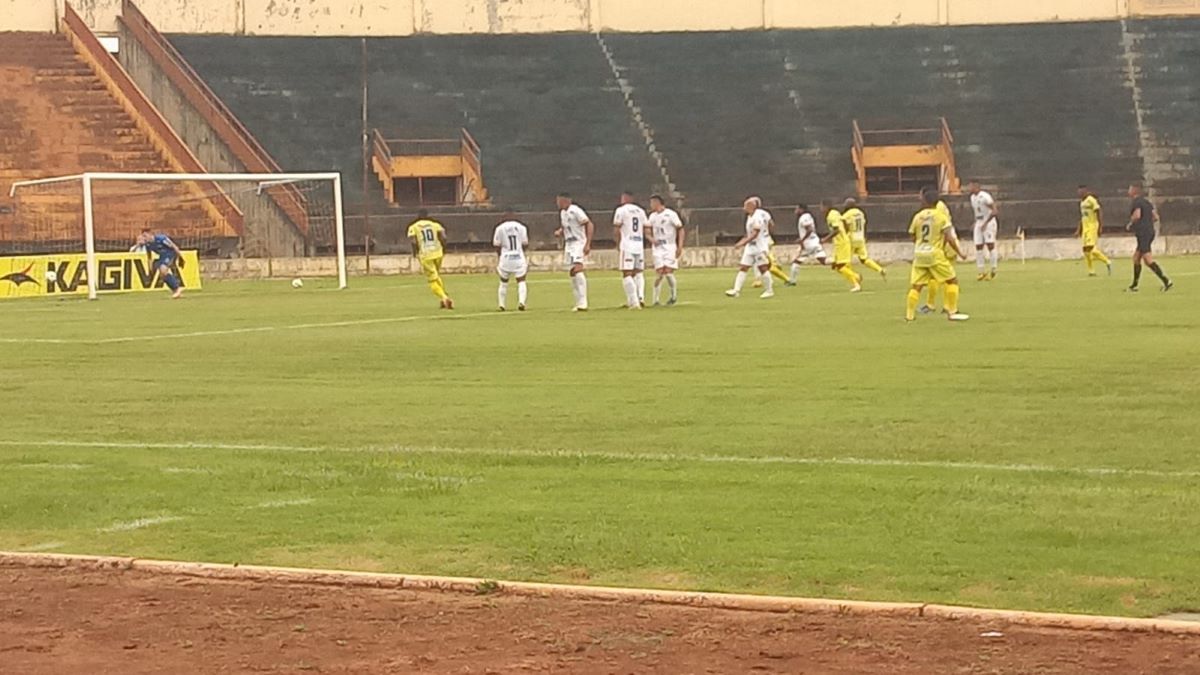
{"points": [[544, 108], [1166, 56], [60, 120]]}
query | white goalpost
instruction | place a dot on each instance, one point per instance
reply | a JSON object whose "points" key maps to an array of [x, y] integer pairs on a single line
{"points": [[218, 215]]}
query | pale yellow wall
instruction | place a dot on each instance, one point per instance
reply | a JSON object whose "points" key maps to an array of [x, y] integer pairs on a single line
{"points": [[404, 17], [325, 17], [679, 15], [26, 15], [1161, 7], [1031, 11], [818, 14]]}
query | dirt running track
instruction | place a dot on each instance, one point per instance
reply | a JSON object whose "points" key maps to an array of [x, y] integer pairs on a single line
{"points": [[127, 621]]}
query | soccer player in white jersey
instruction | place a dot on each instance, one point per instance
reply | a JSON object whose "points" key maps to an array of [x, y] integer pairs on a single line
{"points": [[985, 209], [576, 231], [666, 235], [510, 240], [810, 242], [758, 230], [629, 227]]}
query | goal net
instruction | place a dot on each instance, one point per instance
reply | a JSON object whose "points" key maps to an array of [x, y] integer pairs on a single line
{"points": [[262, 216]]}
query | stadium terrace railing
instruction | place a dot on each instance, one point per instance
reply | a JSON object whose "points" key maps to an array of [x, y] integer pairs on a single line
{"points": [[229, 128], [465, 146], [131, 98]]}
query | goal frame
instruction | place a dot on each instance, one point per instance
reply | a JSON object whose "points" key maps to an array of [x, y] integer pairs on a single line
{"points": [[86, 179]]}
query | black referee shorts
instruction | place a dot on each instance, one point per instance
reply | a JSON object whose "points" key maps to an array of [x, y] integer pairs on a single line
{"points": [[1144, 241]]}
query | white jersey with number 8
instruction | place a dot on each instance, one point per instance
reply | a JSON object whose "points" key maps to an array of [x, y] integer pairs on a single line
{"points": [[632, 221]]}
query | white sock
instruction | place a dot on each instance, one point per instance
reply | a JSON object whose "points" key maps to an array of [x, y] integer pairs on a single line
{"points": [[502, 294], [671, 283], [581, 284], [739, 281], [522, 292], [640, 280], [795, 272], [979, 260], [768, 283], [658, 288], [631, 299], [995, 260]]}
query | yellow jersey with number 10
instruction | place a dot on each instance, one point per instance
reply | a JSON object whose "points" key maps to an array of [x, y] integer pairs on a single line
{"points": [[425, 232]]}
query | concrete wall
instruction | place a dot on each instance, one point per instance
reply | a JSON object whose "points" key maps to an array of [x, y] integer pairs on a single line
{"points": [[698, 257], [267, 229], [405, 17]]}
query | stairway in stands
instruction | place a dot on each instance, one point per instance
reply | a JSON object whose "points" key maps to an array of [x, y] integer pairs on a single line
{"points": [[61, 120]]}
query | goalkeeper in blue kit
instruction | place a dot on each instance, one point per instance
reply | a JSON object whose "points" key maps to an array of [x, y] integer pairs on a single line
{"points": [[168, 256]]}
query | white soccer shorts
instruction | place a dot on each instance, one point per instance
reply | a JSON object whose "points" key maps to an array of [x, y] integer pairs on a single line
{"points": [[666, 257], [985, 233], [633, 261], [752, 257], [573, 254], [811, 249], [507, 269]]}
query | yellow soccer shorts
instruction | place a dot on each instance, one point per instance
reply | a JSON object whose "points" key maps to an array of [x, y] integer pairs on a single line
{"points": [[1091, 237], [431, 267], [859, 249], [842, 252], [941, 271]]}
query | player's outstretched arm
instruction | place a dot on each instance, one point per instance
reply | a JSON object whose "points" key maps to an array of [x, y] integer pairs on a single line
{"points": [[953, 242], [1099, 219]]}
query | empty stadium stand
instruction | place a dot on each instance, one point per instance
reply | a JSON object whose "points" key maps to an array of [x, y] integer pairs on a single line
{"points": [[60, 119], [543, 108]]}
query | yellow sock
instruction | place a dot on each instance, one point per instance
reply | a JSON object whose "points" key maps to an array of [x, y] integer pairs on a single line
{"points": [[778, 273], [1089, 260], [910, 303], [1099, 256], [849, 274], [952, 298], [933, 289], [872, 265], [438, 288]]}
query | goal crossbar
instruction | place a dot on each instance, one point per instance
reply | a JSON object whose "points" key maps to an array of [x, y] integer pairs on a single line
{"points": [[87, 178]]}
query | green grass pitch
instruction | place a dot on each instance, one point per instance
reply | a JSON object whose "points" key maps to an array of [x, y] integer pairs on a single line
{"points": [[1044, 455]]}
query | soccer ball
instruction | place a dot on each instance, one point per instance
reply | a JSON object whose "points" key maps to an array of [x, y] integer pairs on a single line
{"points": [[51, 276], [296, 283]]}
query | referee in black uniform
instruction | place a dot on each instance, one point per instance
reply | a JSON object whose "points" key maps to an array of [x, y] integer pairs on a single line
{"points": [[1142, 218]]}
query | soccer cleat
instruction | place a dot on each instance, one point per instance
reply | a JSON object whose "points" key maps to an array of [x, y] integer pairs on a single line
{"points": [[883, 273], [1109, 266], [925, 309], [449, 303], [672, 301], [633, 307], [657, 303], [767, 294], [177, 294], [502, 309], [958, 316], [993, 276], [579, 308], [789, 284], [981, 277], [1168, 286], [732, 293], [1091, 274], [857, 288], [1132, 289], [521, 308], [757, 283]]}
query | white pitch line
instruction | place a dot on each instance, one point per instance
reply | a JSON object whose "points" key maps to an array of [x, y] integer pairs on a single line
{"points": [[283, 503], [625, 457], [138, 524], [48, 546], [54, 467]]}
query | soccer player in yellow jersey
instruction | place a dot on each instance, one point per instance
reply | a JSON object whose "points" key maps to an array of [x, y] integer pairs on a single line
{"points": [[843, 251], [428, 239], [856, 225], [933, 239], [1091, 222], [934, 284]]}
